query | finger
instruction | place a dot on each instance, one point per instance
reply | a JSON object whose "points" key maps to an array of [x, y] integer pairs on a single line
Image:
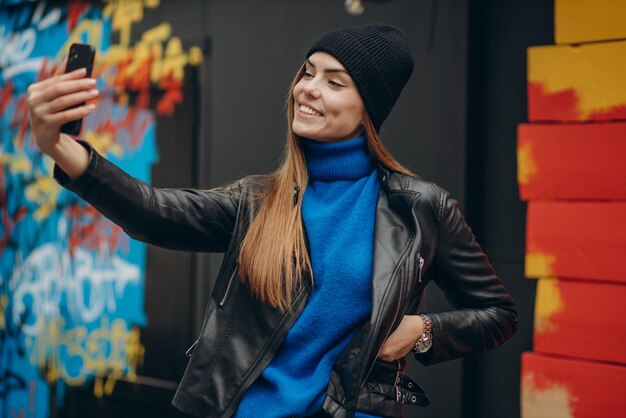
{"points": [[70, 115], [61, 68], [386, 357], [68, 100], [384, 353], [76, 74], [61, 88]]}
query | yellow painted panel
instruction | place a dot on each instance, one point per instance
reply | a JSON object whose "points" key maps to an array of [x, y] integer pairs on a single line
{"points": [[538, 264], [548, 302], [594, 73], [578, 21], [526, 167]]}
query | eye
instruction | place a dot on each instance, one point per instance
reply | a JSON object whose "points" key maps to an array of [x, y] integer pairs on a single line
{"points": [[307, 74], [335, 84]]}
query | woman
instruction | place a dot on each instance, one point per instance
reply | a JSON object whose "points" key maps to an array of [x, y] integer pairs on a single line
{"points": [[315, 304]]}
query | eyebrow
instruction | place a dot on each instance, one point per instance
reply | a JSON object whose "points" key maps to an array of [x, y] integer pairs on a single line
{"points": [[329, 70]]}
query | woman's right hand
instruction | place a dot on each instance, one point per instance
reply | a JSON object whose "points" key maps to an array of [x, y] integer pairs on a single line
{"points": [[50, 104]]}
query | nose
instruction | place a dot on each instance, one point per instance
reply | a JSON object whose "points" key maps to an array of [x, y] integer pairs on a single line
{"points": [[310, 88]]}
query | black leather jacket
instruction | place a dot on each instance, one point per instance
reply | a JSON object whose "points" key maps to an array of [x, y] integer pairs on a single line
{"points": [[420, 235]]}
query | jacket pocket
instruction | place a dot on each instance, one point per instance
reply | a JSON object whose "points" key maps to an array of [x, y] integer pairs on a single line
{"points": [[416, 281], [388, 390]]}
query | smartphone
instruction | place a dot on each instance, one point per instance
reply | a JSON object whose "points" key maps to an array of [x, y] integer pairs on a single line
{"points": [[80, 56]]}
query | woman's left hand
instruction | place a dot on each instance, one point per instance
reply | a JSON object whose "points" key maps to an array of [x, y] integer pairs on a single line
{"points": [[403, 339]]}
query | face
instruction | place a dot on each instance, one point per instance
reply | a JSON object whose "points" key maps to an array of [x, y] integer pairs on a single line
{"points": [[327, 104]]}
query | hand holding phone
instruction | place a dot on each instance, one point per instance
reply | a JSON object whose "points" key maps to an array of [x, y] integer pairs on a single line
{"points": [[80, 56]]}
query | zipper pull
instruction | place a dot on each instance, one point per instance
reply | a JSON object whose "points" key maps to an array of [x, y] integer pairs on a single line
{"points": [[421, 266], [222, 301], [190, 350]]}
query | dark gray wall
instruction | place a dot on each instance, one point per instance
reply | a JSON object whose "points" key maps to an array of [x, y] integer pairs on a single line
{"points": [[257, 47], [500, 33]]}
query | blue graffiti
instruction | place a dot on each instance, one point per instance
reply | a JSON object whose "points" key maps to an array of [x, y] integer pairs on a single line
{"points": [[71, 283]]}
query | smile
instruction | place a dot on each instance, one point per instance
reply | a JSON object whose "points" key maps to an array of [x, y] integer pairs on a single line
{"points": [[309, 111]]}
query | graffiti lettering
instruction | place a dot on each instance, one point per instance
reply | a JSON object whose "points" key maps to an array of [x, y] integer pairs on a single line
{"points": [[109, 351], [91, 284], [17, 46]]}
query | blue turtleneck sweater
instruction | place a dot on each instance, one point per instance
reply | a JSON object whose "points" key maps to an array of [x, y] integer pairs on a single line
{"points": [[338, 210]]}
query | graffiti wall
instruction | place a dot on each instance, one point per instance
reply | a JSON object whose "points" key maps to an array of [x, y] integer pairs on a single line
{"points": [[71, 282]]}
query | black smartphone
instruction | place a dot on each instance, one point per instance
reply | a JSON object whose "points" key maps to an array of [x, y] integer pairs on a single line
{"points": [[80, 56]]}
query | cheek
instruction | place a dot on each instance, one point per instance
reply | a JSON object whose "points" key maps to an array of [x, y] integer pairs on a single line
{"points": [[353, 114], [350, 109], [359, 112], [358, 107], [298, 89]]}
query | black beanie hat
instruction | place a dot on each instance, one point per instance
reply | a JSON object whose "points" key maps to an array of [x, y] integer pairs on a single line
{"points": [[377, 57]]}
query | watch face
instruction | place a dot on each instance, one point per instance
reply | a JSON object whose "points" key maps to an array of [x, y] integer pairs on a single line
{"points": [[424, 344]]}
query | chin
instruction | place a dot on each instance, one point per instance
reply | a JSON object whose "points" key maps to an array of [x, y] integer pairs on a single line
{"points": [[318, 135], [306, 133]]}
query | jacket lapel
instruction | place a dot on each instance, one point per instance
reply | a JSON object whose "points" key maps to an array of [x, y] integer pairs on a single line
{"points": [[392, 238]]}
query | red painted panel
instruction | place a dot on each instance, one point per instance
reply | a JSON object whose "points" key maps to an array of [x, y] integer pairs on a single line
{"points": [[581, 319], [583, 240], [554, 387], [552, 106], [572, 161]]}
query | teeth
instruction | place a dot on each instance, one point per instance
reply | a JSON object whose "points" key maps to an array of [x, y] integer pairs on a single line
{"points": [[309, 111]]}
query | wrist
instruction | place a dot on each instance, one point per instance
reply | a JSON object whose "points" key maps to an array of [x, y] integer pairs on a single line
{"points": [[425, 340], [69, 155]]}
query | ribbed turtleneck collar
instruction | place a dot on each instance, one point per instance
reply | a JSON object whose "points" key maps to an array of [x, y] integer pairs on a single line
{"points": [[330, 161]]}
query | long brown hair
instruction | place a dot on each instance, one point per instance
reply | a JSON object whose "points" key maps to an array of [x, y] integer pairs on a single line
{"points": [[273, 258]]}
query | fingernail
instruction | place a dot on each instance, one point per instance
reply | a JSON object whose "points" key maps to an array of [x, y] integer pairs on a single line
{"points": [[91, 106], [82, 70], [94, 92]]}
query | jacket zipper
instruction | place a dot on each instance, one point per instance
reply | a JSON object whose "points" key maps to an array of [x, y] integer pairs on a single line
{"points": [[224, 297], [221, 303], [393, 321], [420, 267]]}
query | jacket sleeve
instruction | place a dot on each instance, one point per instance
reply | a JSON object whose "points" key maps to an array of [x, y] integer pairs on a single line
{"points": [[179, 219], [485, 315]]}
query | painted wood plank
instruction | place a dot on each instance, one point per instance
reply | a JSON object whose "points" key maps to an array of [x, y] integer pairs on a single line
{"points": [[563, 388], [572, 161], [578, 21], [581, 319], [577, 83], [581, 240]]}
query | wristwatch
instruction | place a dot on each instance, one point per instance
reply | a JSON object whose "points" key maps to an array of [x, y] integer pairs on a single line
{"points": [[425, 341]]}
